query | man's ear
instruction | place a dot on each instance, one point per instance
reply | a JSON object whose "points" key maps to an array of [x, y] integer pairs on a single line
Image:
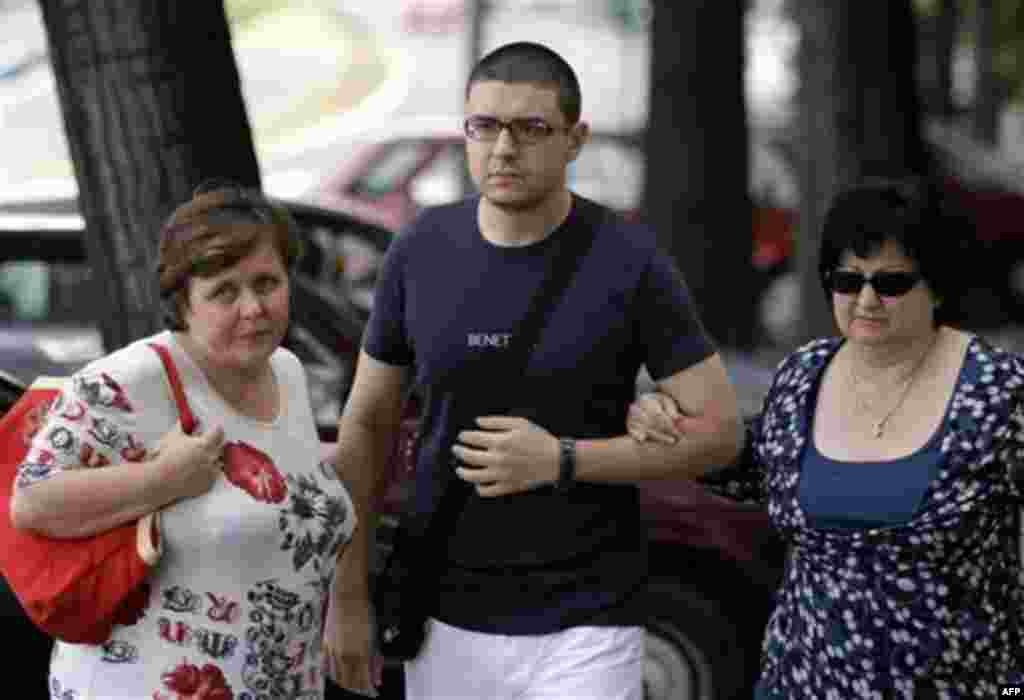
{"points": [[579, 134]]}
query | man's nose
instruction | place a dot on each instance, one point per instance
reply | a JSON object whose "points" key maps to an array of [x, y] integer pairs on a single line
{"points": [[506, 142]]}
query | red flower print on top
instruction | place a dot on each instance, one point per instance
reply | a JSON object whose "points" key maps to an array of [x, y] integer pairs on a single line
{"points": [[90, 457], [105, 432], [74, 412], [189, 682], [102, 392], [222, 609], [133, 451], [254, 472]]}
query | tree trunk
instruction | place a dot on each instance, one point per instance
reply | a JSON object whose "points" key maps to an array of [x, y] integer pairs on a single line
{"points": [[697, 173], [858, 114], [987, 100], [938, 36], [947, 26], [152, 106]]}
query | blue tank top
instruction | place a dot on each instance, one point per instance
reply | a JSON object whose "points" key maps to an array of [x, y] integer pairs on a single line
{"points": [[836, 494], [843, 495]]}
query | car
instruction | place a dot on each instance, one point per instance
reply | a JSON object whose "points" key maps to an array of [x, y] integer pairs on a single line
{"points": [[977, 180], [49, 313], [434, 16], [387, 173], [390, 172], [49, 309], [714, 566], [33, 645], [714, 562]]}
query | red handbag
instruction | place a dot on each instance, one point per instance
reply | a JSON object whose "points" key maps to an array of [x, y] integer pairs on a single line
{"points": [[77, 589]]}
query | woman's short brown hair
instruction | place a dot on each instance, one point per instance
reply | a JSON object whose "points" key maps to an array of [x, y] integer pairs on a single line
{"points": [[211, 232]]}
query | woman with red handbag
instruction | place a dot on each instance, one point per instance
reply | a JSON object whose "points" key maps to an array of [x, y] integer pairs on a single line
{"points": [[247, 521]]}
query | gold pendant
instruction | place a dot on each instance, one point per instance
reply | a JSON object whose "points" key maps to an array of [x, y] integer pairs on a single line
{"points": [[879, 426]]}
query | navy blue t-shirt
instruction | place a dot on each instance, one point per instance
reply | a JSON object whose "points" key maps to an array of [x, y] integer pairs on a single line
{"points": [[540, 561]]}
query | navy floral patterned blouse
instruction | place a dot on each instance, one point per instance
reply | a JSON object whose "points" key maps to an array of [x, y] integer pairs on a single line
{"points": [[930, 608]]}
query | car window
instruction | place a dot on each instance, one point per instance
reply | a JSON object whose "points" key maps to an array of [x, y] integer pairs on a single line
{"points": [[441, 182], [24, 290], [32, 290], [609, 173], [390, 169]]}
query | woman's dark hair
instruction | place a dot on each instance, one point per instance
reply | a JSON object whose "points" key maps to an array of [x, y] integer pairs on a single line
{"points": [[220, 225], [527, 62], [915, 213]]}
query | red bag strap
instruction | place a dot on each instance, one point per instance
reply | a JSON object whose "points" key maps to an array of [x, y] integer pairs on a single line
{"points": [[188, 420]]}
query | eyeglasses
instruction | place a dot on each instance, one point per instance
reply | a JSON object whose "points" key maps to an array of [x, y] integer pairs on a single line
{"points": [[527, 130], [886, 284]]}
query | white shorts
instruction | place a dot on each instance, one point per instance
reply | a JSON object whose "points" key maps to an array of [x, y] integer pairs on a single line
{"points": [[580, 663]]}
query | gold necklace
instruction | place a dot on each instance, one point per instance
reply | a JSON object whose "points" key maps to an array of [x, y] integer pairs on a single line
{"points": [[908, 381]]}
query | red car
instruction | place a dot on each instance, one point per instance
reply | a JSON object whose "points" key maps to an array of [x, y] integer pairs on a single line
{"points": [[714, 566], [392, 171], [714, 562], [995, 272], [435, 16]]}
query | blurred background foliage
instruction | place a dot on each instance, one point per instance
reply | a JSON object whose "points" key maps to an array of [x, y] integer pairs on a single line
{"points": [[1008, 36]]}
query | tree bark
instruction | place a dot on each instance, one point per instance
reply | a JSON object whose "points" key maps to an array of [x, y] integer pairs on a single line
{"points": [[152, 106], [947, 26], [938, 33], [987, 100], [858, 114], [697, 167]]}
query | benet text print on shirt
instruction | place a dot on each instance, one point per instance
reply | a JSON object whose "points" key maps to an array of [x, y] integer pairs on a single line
{"points": [[488, 340]]}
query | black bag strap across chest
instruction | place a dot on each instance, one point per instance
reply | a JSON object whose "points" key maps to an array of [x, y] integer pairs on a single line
{"points": [[510, 365]]}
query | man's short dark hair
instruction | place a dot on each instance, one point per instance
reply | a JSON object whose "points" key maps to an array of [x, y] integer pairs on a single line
{"points": [[527, 62]]}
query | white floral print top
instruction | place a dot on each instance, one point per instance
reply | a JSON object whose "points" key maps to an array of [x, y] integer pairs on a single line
{"points": [[930, 608], [235, 604]]}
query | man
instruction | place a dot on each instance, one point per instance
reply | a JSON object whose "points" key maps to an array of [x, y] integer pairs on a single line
{"points": [[548, 556]]}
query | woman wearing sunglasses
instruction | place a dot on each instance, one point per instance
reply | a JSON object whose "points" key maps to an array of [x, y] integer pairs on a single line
{"points": [[885, 457]]}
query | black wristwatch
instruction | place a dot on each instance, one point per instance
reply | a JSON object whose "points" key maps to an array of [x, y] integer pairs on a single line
{"points": [[566, 464]]}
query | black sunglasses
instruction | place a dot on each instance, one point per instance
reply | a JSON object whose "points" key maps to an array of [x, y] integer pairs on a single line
{"points": [[886, 284]]}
